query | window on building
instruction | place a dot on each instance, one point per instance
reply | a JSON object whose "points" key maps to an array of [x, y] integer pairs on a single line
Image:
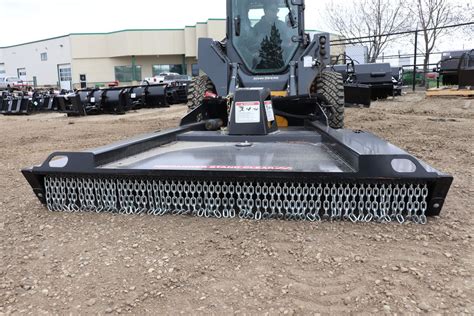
{"points": [[195, 70], [158, 69], [65, 74], [128, 73], [21, 72], [44, 56]]}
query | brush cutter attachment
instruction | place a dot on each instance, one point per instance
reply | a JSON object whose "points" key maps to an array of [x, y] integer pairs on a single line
{"points": [[365, 83], [263, 140], [252, 170]]}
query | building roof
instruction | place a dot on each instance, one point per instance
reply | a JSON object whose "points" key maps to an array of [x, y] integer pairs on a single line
{"points": [[113, 32]]}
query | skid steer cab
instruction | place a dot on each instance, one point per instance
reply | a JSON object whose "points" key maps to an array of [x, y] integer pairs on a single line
{"points": [[267, 47]]}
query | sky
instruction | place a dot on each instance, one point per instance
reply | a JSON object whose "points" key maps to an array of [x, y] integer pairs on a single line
{"points": [[30, 20]]}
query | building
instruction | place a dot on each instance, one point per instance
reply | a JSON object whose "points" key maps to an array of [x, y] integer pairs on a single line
{"points": [[100, 58]]}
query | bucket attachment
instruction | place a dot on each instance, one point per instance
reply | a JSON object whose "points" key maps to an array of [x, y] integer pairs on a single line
{"points": [[157, 96], [365, 83], [364, 94], [16, 105], [466, 70], [71, 105], [11, 104], [116, 101], [177, 93], [8, 105], [357, 94], [308, 172], [397, 79], [43, 102], [450, 65], [138, 96]]}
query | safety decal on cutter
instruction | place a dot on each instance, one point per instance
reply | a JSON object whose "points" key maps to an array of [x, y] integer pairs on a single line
{"points": [[247, 112], [269, 110]]}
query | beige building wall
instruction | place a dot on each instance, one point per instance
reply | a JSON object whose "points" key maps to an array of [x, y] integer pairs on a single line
{"points": [[337, 50], [102, 70], [189, 63], [97, 70], [216, 29], [97, 55], [190, 36]]}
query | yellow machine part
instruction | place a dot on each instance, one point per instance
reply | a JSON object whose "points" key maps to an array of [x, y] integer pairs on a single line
{"points": [[279, 93], [281, 121]]}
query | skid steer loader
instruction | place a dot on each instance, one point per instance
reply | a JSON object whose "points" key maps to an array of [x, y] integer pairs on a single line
{"points": [[263, 140]]}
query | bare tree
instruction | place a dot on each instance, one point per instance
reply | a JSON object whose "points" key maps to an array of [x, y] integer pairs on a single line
{"points": [[361, 18], [432, 16]]}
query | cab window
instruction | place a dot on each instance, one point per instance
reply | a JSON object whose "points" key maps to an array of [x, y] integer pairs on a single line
{"points": [[264, 35]]}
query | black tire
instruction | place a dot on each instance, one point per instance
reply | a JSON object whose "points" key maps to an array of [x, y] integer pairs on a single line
{"points": [[197, 90], [331, 87]]}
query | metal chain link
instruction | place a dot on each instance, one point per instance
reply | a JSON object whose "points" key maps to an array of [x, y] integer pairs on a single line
{"points": [[247, 200]]}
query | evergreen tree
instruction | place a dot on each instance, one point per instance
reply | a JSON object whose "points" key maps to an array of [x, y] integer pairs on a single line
{"points": [[271, 52]]}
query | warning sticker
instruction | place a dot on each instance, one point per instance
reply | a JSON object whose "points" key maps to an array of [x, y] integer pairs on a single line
{"points": [[269, 110], [247, 112]]}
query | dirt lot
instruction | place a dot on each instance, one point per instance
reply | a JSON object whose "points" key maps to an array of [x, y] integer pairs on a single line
{"points": [[89, 263]]}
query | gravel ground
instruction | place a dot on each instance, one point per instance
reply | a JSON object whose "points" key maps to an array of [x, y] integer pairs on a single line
{"points": [[100, 263]]}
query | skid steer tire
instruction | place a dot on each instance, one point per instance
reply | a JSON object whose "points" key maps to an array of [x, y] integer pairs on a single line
{"points": [[331, 86], [197, 90]]}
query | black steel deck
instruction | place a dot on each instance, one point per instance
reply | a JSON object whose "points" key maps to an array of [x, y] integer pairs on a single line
{"points": [[296, 161]]}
